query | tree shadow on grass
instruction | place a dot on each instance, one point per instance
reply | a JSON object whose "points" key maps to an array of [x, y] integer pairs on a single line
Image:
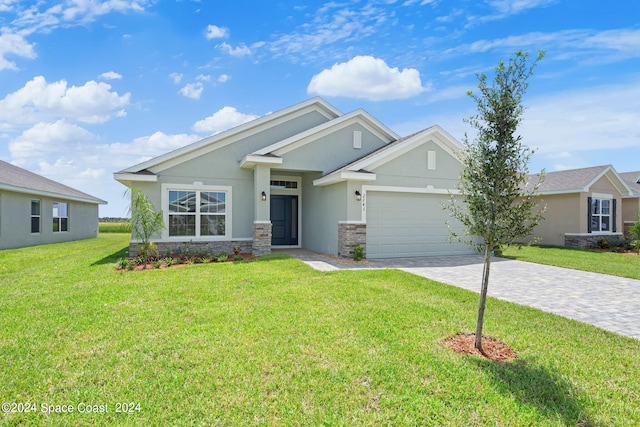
{"points": [[112, 258], [538, 387]]}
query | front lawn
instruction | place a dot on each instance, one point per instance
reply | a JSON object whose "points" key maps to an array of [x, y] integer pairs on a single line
{"points": [[273, 342], [624, 265]]}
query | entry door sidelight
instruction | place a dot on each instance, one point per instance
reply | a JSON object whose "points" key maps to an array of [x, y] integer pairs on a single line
{"points": [[284, 220]]}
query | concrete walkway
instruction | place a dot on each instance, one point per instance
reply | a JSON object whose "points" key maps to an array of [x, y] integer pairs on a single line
{"points": [[609, 302]]}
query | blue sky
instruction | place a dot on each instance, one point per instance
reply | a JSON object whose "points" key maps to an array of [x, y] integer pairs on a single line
{"points": [[89, 87]]}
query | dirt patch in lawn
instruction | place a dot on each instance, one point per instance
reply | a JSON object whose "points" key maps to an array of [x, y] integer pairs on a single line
{"points": [[491, 348]]}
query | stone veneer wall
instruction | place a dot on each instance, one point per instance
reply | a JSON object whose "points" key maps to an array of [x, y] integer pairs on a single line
{"points": [[627, 228], [261, 238], [585, 241], [350, 236], [177, 248]]}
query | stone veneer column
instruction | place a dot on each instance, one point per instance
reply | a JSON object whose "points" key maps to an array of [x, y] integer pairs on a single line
{"points": [[261, 238], [351, 235]]}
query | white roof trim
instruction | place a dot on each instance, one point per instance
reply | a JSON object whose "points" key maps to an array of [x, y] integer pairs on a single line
{"points": [[124, 176], [358, 116], [344, 176], [251, 160], [229, 136], [617, 176], [53, 195]]}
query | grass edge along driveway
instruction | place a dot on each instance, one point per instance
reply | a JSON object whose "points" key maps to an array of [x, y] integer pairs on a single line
{"points": [[273, 342]]}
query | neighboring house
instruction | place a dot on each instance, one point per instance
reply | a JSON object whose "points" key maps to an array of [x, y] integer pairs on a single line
{"points": [[307, 176], [35, 210], [583, 206], [631, 203]]}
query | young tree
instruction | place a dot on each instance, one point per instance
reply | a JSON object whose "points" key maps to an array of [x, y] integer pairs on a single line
{"points": [[635, 234], [145, 222], [497, 205]]}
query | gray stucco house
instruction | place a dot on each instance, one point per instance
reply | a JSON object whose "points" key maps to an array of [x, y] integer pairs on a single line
{"points": [[35, 210], [307, 176]]}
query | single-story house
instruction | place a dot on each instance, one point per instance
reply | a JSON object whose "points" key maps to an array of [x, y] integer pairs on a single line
{"points": [[307, 176], [35, 210], [584, 205], [631, 202]]}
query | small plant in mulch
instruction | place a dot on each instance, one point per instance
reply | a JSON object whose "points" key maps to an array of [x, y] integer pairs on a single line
{"points": [[493, 349], [168, 260]]}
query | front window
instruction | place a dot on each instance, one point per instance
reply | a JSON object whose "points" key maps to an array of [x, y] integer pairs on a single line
{"points": [[600, 215], [35, 216], [60, 217], [197, 213]]}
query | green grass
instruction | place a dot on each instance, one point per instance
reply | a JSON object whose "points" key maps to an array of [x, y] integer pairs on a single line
{"points": [[273, 342], [114, 227], [624, 265]]}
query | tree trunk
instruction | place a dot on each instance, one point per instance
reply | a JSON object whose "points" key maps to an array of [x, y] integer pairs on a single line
{"points": [[483, 296]]}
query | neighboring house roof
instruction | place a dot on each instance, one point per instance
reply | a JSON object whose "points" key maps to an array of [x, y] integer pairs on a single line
{"points": [[13, 178], [360, 168], [578, 180], [632, 179]]}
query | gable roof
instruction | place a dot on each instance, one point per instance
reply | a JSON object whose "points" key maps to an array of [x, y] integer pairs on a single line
{"points": [[578, 180], [13, 178], [224, 138], [360, 169], [632, 179], [271, 154]]}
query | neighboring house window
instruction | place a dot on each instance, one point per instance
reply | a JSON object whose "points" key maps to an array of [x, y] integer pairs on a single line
{"points": [[197, 213], [60, 217], [35, 216], [601, 215]]}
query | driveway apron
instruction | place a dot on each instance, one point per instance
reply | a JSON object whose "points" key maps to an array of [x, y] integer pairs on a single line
{"points": [[609, 302]]}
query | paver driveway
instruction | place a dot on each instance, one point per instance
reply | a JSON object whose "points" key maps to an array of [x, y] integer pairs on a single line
{"points": [[609, 302]]}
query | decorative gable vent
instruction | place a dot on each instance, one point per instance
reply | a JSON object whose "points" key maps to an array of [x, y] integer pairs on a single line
{"points": [[357, 139], [431, 160]]}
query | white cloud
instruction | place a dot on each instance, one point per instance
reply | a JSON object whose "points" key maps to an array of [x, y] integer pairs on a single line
{"points": [[111, 75], [14, 44], [238, 51], [203, 78], [366, 77], [223, 119], [215, 32], [48, 139], [176, 77], [38, 100], [513, 7], [192, 90], [223, 78]]}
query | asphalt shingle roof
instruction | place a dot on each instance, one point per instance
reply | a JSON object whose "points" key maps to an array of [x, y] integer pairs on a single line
{"points": [[632, 179], [14, 176], [573, 179]]}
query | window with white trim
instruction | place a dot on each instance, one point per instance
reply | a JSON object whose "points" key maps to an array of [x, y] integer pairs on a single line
{"points": [[60, 213], [600, 215], [35, 216], [197, 213]]}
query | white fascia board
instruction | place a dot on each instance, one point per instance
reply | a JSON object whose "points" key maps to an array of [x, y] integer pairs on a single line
{"points": [[50, 194], [128, 177], [420, 190], [251, 160], [230, 136], [617, 182], [337, 177], [358, 116]]}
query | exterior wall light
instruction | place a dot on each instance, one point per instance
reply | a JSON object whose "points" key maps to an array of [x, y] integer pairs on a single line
{"points": [[264, 196], [358, 196]]}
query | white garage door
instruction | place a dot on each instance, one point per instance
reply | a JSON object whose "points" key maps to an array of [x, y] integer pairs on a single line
{"points": [[408, 225]]}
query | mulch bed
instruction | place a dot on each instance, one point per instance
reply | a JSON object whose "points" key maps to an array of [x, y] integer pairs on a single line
{"points": [[492, 348]]}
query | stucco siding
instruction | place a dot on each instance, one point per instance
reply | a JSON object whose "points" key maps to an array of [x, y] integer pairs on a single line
{"points": [[410, 169], [15, 221], [630, 208], [331, 151], [324, 207], [561, 217]]}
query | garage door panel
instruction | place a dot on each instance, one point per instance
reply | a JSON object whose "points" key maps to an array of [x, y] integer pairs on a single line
{"points": [[408, 224]]}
